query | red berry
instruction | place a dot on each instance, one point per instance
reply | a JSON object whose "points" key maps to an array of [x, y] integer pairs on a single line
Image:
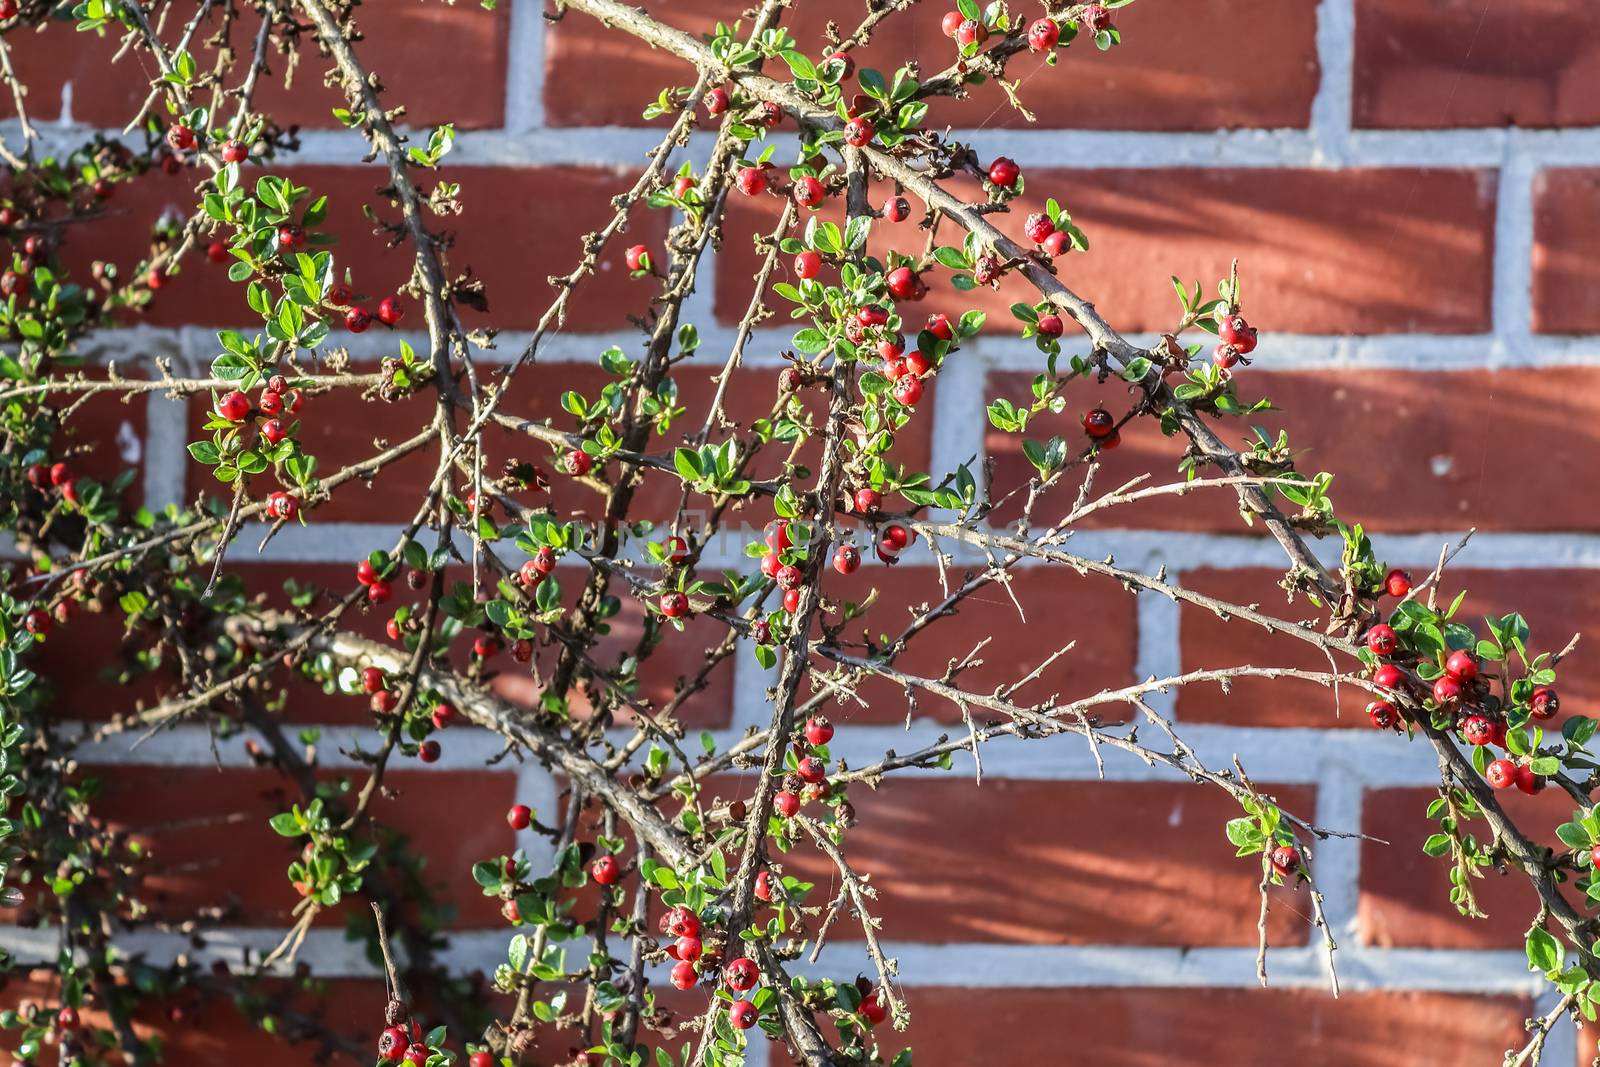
{"points": [[235, 152], [60, 474], [1285, 860], [768, 114], [894, 369], [1544, 704], [39, 476], [69, 491], [952, 22], [872, 315], [1050, 326], [102, 189], [872, 1009], [846, 558], [519, 817], [1527, 781], [1043, 35], [987, 271], [578, 462], [1382, 640], [366, 573], [14, 284], [680, 922], [486, 646], [1004, 172], [752, 181], [681, 187], [674, 605], [1477, 730], [291, 238], [808, 264], [391, 311], [1038, 227], [605, 870], [908, 391], [292, 401], [843, 57], [340, 295], [812, 770], [372, 679], [509, 910], [384, 702], [777, 535], [684, 975], [393, 1042], [181, 138], [819, 731], [281, 505], [971, 31], [1383, 714], [1397, 583], [789, 576], [480, 1059], [1099, 423], [416, 1055], [897, 536], [791, 601], [742, 1014], [1236, 333], [1096, 18], [1446, 691], [741, 973], [155, 278], [270, 403], [1388, 677], [764, 885], [939, 326], [637, 257], [428, 752], [274, 431], [442, 716], [356, 320], [786, 804], [1058, 243], [688, 947], [902, 283], [897, 209], [37, 622], [234, 406], [1502, 773], [1461, 666], [761, 632], [858, 132], [379, 591], [717, 101], [217, 252]]}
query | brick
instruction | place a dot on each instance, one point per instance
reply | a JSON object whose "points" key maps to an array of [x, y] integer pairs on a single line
{"points": [[1405, 900], [105, 437], [1566, 237], [1550, 599], [953, 1026], [559, 204], [1451, 63], [1407, 449], [1061, 607], [59, 62], [225, 853], [1268, 80], [1006, 862], [1387, 229]]}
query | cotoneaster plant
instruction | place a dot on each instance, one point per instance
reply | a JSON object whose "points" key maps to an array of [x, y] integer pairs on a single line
{"points": [[644, 874]]}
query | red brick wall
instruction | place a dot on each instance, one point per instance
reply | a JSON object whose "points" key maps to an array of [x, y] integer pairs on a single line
{"points": [[1411, 188]]}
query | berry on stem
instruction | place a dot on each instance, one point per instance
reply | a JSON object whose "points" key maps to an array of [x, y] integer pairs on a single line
{"points": [[1502, 774], [1382, 639], [1397, 583], [742, 1014], [1004, 172], [819, 731], [391, 311], [605, 870], [519, 816]]}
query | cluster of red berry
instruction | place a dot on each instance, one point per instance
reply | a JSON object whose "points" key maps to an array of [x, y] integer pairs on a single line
{"points": [[1458, 691]]}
